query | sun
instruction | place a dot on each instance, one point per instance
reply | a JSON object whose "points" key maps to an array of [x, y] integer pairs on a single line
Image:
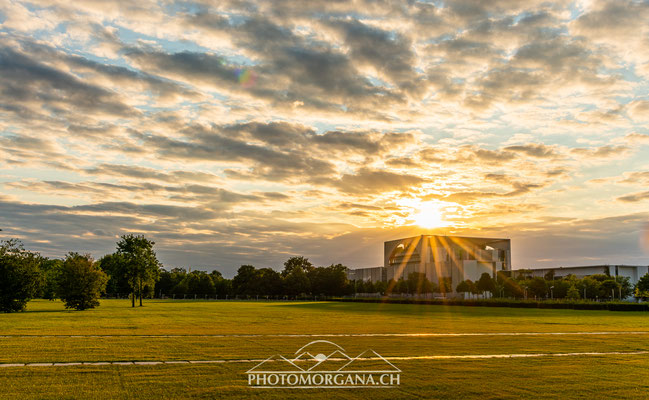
{"points": [[429, 216]]}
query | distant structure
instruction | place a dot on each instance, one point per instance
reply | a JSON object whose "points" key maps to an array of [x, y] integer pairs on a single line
{"points": [[375, 274], [633, 272], [451, 259]]}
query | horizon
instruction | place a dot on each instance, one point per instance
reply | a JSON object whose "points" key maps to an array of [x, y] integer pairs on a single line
{"points": [[248, 133]]}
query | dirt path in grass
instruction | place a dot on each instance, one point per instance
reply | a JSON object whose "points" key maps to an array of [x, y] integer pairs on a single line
{"points": [[393, 358]]}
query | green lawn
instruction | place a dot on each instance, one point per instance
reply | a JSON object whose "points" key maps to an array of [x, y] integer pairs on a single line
{"points": [[122, 329]]}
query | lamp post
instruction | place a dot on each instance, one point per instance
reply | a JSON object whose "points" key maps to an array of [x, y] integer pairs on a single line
{"points": [[551, 293]]}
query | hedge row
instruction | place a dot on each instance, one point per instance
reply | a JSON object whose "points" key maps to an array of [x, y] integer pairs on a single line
{"points": [[575, 305]]}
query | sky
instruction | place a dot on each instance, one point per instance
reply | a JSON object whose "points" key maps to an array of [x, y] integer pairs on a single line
{"points": [[246, 132]]}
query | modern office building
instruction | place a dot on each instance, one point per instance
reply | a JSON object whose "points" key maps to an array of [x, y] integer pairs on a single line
{"points": [[453, 258]]}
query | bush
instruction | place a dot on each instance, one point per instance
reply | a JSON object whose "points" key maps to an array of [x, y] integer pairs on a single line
{"points": [[80, 282], [556, 304]]}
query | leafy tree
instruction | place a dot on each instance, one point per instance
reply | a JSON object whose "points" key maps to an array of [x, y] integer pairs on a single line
{"points": [[445, 284], [332, 281], [50, 269], [590, 286], [296, 282], [80, 282], [199, 283], [244, 282], [141, 264], [608, 288], [418, 283], [222, 286], [561, 288], [464, 286], [538, 287], [486, 283], [19, 275], [296, 262], [402, 286], [511, 288], [625, 288], [168, 280], [115, 266], [573, 293], [269, 282], [642, 288]]}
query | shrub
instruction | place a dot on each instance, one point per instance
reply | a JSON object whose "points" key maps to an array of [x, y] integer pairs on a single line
{"points": [[80, 282]]}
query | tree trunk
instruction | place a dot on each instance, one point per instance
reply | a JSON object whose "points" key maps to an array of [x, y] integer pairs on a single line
{"points": [[140, 293], [133, 297]]}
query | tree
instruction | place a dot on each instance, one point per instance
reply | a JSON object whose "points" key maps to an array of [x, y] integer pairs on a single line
{"points": [[464, 287], [296, 282], [486, 283], [115, 266], [141, 264], [590, 286], [573, 293], [244, 281], [625, 289], [445, 284], [80, 282], [538, 287], [608, 288], [418, 283], [296, 262], [269, 282], [20, 275], [332, 281], [50, 270], [642, 288]]}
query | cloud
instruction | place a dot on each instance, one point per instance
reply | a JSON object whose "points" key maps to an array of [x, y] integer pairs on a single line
{"points": [[367, 181], [37, 89], [534, 150], [229, 129], [634, 197]]}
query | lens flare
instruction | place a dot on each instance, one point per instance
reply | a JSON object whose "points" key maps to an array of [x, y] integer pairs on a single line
{"points": [[644, 238], [246, 77]]}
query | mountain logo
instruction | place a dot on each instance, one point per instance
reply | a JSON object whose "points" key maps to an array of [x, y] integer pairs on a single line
{"points": [[324, 364]]}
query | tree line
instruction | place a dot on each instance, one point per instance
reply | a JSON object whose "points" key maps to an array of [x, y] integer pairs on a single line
{"points": [[524, 285], [134, 271]]}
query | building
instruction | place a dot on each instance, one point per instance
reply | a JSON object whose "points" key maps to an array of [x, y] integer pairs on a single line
{"points": [[446, 258], [633, 272], [375, 274]]}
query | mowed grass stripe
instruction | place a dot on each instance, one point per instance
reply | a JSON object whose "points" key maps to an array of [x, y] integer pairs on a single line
{"points": [[69, 349], [308, 335], [168, 317]]}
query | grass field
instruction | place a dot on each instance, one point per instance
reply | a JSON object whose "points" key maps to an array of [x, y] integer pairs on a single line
{"points": [[240, 331]]}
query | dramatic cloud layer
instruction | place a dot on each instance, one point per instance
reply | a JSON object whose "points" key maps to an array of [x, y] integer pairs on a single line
{"points": [[238, 132]]}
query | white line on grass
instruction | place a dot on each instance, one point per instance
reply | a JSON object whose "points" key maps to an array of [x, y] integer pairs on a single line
{"points": [[393, 358], [290, 335]]}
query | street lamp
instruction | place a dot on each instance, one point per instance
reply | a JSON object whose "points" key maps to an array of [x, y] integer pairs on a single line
{"points": [[551, 293]]}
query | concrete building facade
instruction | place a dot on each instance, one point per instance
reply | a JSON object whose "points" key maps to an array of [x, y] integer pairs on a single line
{"points": [[452, 258]]}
